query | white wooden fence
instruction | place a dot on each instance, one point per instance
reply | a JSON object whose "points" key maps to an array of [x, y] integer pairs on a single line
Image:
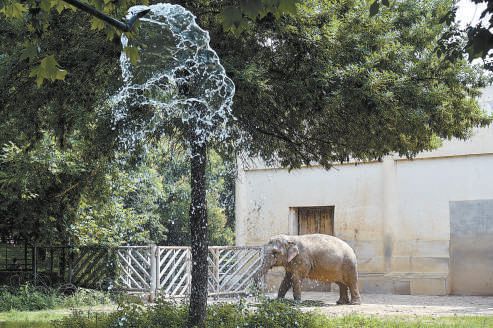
{"points": [[167, 269]]}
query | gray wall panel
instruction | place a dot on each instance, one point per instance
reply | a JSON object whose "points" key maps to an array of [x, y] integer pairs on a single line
{"points": [[471, 247]]}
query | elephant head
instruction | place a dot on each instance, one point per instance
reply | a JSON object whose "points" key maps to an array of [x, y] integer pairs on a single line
{"points": [[279, 251]]}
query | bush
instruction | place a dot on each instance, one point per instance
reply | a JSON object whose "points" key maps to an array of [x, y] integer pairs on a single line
{"points": [[84, 320], [29, 298], [85, 297], [278, 314], [268, 314]]}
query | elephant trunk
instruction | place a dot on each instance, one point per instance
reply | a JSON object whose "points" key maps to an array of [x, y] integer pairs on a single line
{"points": [[266, 265]]}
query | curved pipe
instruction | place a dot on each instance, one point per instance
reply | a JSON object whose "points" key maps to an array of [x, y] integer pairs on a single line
{"points": [[123, 26]]}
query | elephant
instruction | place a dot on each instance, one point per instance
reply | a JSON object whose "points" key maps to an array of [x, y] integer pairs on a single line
{"points": [[319, 257]]}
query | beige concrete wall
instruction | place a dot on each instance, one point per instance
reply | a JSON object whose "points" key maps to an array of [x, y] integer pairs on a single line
{"points": [[424, 189], [266, 196], [394, 213]]}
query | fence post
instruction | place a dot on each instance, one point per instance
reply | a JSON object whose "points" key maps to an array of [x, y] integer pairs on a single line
{"points": [[262, 253], [154, 276], [216, 270], [189, 270], [70, 265], [35, 267]]}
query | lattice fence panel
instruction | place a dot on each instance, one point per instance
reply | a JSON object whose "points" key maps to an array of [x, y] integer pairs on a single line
{"points": [[232, 269], [213, 281], [167, 269], [90, 267], [134, 264], [174, 274]]}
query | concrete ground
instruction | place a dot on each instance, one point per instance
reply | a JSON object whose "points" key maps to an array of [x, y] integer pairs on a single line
{"points": [[409, 305]]}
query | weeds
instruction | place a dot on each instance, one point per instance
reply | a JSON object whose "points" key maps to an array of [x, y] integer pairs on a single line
{"points": [[29, 298], [266, 314]]}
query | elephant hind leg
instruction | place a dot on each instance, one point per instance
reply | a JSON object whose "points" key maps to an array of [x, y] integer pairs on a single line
{"points": [[343, 295], [285, 285], [353, 288], [351, 280], [355, 297]]}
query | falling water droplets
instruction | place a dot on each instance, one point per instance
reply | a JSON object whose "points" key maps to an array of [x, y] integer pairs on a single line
{"points": [[178, 79]]}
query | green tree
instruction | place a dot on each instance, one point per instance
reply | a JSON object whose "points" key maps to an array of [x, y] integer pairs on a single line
{"points": [[332, 83], [123, 209], [453, 43], [56, 141], [36, 17], [174, 166], [147, 200]]}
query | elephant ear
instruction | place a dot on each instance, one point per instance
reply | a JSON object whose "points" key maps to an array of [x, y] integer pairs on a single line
{"points": [[292, 251]]}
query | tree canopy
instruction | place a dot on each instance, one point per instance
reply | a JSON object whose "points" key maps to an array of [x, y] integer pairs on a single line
{"points": [[36, 17], [63, 175], [332, 82], [327, 84], [475, 39], [327, 73], [317, 81], [55, 142]]}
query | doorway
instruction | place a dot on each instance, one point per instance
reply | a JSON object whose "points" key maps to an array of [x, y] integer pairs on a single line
{"points": [[309, 220], [318, 219]]}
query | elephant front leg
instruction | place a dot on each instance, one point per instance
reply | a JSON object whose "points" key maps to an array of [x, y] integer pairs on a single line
{"points": [[297, 288], [343, 295], [285, 285]]}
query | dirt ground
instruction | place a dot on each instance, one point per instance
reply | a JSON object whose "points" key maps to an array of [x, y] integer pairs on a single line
{"points": [[409, 305]]}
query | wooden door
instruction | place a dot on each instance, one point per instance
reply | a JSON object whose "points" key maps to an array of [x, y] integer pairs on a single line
{"points": [[316, 220]]}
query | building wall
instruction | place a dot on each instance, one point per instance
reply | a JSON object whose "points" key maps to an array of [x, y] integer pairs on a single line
{"points": [[395, 213]]}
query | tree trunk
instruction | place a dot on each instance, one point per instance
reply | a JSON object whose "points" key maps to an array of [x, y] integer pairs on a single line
{"points": [[198, 229]]}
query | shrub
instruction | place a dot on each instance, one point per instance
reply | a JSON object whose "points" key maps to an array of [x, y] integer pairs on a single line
{"points": [[85, 297], [166, 314], [80, 319], [279, 314], [29, 298], [227, 315], [268, 314]]}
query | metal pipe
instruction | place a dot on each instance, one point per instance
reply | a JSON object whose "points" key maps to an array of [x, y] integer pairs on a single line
{"points": [[123, 26]]}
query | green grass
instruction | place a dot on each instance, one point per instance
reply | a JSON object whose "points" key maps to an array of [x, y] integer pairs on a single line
{"points": [[38, 319], [267, 315], [37, 316], [358, 321], [27, 324], [29, 298], [44, 318]]}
